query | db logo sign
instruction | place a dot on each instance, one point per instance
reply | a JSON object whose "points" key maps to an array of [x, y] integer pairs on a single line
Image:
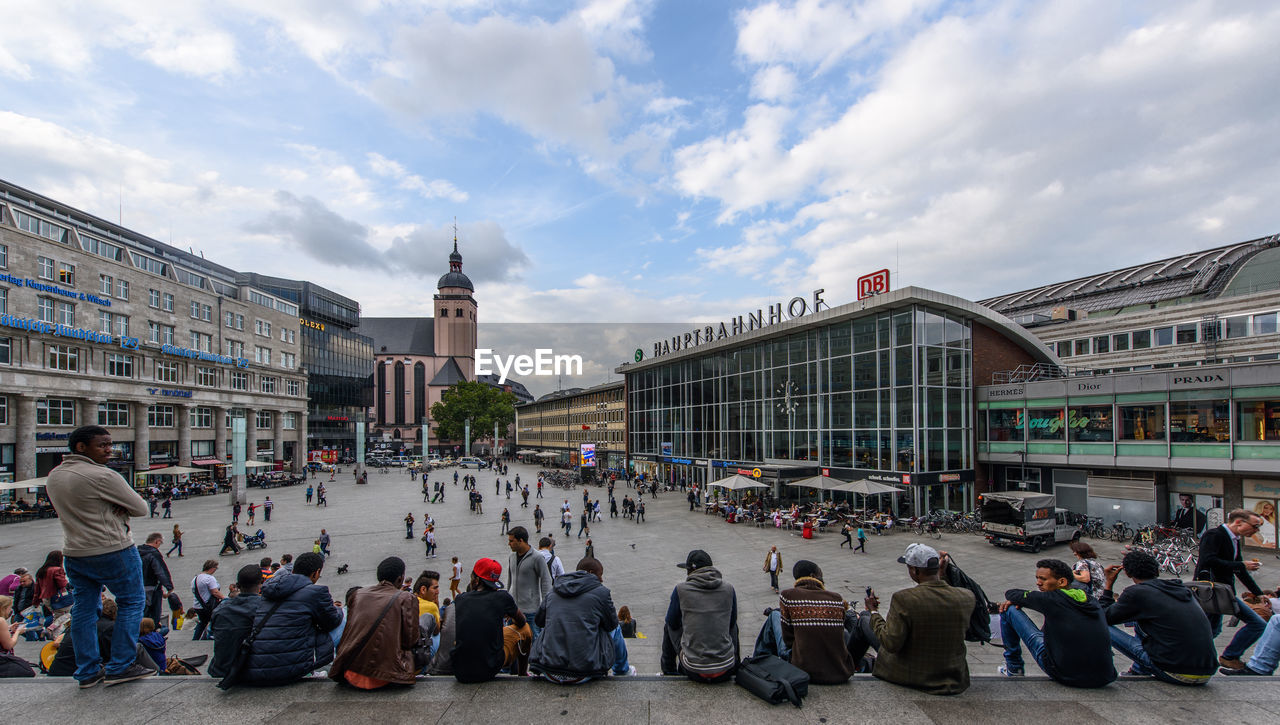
{"points": [[876, 283]]}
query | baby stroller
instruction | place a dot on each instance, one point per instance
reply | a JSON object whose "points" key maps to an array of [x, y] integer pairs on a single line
{"points": [[256, 541]]}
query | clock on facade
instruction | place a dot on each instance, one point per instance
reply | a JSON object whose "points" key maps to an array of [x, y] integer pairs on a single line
{"points": [[785, 393]]}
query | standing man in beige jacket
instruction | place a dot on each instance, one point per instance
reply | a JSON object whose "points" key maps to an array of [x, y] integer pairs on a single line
{"points": [[94, 505]]}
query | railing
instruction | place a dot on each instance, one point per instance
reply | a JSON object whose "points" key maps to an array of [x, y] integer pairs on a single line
{"points": [[1030, 373]]}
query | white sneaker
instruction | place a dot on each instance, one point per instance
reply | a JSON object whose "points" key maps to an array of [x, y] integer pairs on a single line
{"points": [[631, 671], [1004, 670]]}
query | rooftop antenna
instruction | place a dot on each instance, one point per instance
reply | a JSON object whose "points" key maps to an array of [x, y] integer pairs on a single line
{"points": [[120, 200]]}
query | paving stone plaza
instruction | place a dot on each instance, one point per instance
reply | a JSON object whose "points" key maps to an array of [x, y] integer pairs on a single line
{"points": [[366, 523]]}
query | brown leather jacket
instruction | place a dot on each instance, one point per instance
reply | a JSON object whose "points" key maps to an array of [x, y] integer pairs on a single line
{"points": [[388, 654]]}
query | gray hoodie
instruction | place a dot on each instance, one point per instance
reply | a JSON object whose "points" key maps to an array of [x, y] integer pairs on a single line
{"points": [[701, 625], [528, 579]]}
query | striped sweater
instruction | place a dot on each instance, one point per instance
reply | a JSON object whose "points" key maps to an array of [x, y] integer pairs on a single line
{"points": [[813, 627]]}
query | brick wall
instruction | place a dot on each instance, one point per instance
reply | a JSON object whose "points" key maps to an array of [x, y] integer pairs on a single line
{"points": [[992, 352]]}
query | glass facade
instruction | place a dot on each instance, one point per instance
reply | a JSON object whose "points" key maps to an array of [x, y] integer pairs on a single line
{"points": [[890, 391]]}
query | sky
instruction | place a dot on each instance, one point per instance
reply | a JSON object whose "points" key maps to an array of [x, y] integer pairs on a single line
{"points": [[643, 161]]}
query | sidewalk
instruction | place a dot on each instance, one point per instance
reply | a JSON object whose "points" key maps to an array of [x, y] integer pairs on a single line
{"points": [[644, 699]]}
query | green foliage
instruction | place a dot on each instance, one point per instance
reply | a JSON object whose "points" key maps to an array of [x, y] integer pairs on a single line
{"points": [[482, 403]]}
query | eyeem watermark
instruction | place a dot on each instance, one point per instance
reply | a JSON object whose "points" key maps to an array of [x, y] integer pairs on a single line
{"points": [[543, 362]]}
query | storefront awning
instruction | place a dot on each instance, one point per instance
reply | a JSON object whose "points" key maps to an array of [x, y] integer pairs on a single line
{"points": [[207, 462]]}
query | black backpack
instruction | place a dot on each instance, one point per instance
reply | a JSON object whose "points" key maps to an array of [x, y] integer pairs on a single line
{"points": [[979, 629], [773, 679]]}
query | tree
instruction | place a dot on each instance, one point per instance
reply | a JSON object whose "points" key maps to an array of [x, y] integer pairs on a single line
{"points": [[482, 403]]}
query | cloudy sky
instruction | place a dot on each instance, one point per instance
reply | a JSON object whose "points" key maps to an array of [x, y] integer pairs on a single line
{"points": [[652, 160]]}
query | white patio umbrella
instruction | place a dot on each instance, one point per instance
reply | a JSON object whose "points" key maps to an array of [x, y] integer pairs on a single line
{"points": [[258, 464], [29, 483], [820, 483], [867, 487], [547, 454], [738, 482]]}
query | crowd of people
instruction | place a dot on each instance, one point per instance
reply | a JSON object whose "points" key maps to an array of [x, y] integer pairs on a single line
{"points": [[277, 623]]}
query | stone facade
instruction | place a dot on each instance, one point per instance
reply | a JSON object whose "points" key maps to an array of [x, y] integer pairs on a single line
{"points": [[102, 325]]}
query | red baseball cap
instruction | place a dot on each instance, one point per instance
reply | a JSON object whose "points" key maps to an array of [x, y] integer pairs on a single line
{"points": [[488, 571]]}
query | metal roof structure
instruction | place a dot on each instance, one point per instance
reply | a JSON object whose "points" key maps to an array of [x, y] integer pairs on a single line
{"points": [[1204, 273]]}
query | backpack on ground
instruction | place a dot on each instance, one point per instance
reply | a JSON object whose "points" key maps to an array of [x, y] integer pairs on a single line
{"points": [[773, 679]]}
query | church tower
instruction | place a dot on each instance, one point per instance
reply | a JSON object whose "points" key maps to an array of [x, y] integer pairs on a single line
{"points": [[455, 316]]}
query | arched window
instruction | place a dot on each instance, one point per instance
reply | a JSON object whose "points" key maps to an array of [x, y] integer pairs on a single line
{"points": [[459, 312], [396, 434], [382, 393], [419, 393], [399, 394]]}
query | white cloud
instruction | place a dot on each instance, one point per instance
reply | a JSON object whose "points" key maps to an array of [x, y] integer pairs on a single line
{"points": [[818, 33], [773, 83], [433, 189]]}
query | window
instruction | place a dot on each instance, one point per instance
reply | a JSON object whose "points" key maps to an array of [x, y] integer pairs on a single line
{"points": [[457, 312], [6, 350], [1199, 421], [1237, 327], [62, 357], [107, 283], [287, 335], [1006, 425], [239, 380], [66, 314], [119, 366], [54, 411], [168, 302], [1120, 342], [267, 384], [67, 273], [195, 310], [206, 376], [1101, 344], [153, 330], [28, 223], [1141, 339], [113, 414], [154, 266], [1163, 336], [229, 319], [239, 322], [122, 326], [1045, 424], [263, 419], [201, 417], [4, 410], [101, 248], [4, 300], [44, 268], [1064, 348], [4, 256], [293, 387], [262, 327], [166, 372], [1090, 423], [288, 360], [1259, 420], [289, 421], [153, 298], [160, 416], [1186, 334], [122, 289], [262, 355], [1264, 324], [206, 313], [1142, 422], [202, 341], [235, 348], [1082, 346]]}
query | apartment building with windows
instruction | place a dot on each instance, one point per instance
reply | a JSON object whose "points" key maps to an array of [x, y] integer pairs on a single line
{"points": [[100, 324]]}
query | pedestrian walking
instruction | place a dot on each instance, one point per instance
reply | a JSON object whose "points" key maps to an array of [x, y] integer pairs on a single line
{"points": [[537, 517], [152, 502], [408, 525], [253, 508], [266, 508], [235, 513], [430, 538], [324, 542], [640, 512], [168, 507], [524, 494], [862, 540], [426, 492], [590, 552], [310, 491], [773, 566], [176, 540], [506, 520], [584, 523], [566, 521]]}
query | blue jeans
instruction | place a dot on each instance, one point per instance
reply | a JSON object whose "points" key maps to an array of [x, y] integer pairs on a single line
{"points": [[336, 633], [1251, 626], [121, 573], [1267, 653], [1016, 627], [770, 641], [534, 629], [620, 664], [1131, 647]]}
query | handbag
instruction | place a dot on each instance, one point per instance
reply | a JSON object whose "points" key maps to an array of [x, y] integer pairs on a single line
{"points": [[773, 679], [15, 666], [1214, 598]]}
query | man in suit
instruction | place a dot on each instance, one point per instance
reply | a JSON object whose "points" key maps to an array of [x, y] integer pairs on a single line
{"points": [[921, 643], [1188, 516], [1221, 561]]}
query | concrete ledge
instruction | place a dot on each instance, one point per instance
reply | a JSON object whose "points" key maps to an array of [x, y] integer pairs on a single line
{"points": [[640, 699]]}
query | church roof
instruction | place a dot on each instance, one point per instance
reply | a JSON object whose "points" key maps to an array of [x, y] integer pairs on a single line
{"points": [[400, 335], [449, 374], [454, 277]]}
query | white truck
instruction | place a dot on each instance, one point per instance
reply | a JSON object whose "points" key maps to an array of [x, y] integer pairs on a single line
{"points": [[1025, 520]]}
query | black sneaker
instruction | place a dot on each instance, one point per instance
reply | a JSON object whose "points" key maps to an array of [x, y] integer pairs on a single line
{"points": [[135, 672], [1228, 671], [92, 681]]}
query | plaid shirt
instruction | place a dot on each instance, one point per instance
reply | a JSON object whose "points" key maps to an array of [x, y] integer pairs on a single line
{"points": [[922, 642]]}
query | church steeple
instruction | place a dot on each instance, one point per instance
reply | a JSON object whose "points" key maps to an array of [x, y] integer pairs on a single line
{"points": [[455, 277]]}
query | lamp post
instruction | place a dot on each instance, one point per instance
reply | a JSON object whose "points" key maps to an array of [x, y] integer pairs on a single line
{"points": [[466, 439]]}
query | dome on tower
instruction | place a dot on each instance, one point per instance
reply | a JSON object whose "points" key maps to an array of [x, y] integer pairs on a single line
{"points": [[455, 277]]}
